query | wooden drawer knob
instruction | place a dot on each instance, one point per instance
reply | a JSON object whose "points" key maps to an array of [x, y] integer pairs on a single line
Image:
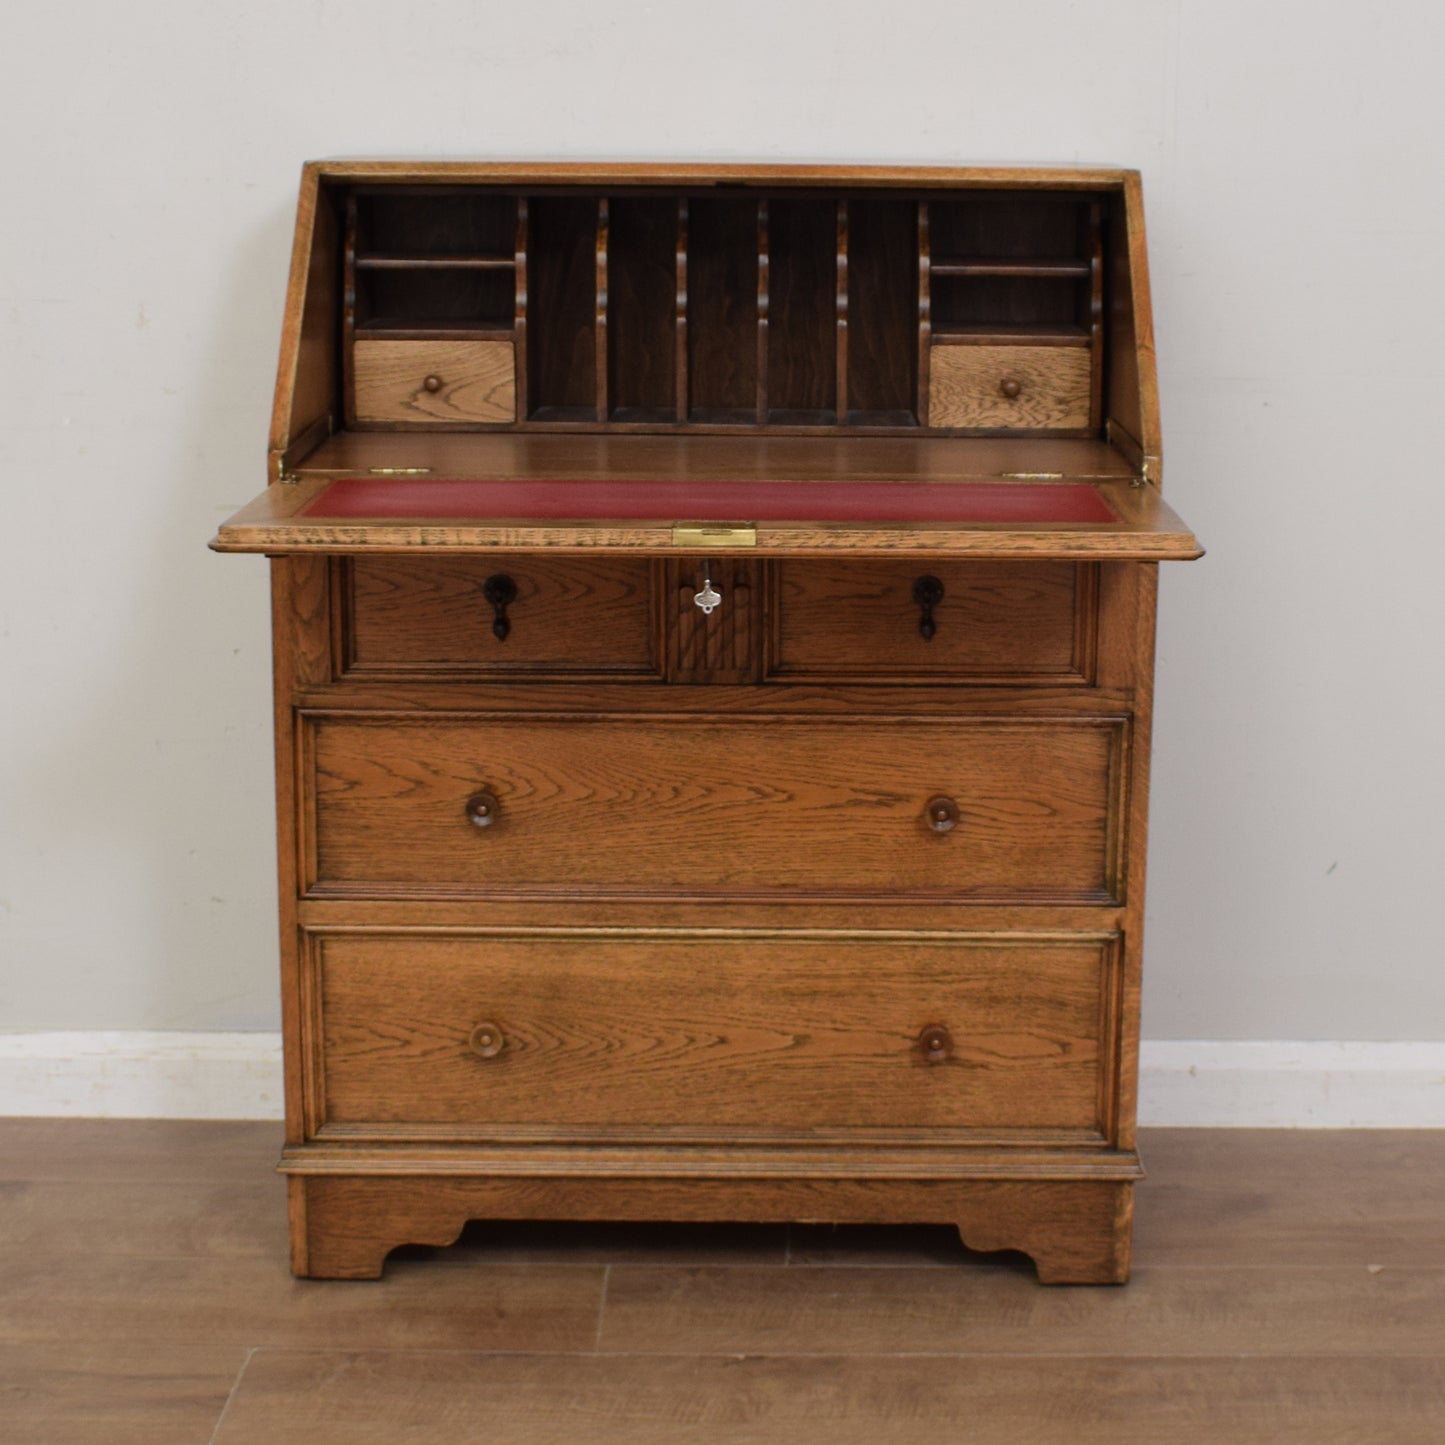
{"points": [[486, 1041], [935, 1043], [1010, 387], [482, 809], [941, 814], [432, 383]]}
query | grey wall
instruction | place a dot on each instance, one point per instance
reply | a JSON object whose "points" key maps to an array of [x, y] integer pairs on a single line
{"points": [[1292, 180]]}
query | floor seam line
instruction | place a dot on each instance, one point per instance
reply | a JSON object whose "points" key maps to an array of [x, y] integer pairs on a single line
{"points": [[231, 1395], [601, 1309], [765, 1354]]}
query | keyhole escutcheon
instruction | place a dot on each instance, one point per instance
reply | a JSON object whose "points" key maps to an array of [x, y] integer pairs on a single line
{"points": [[927, 594], [501, 591]]}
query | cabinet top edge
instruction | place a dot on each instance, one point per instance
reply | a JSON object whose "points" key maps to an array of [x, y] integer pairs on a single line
{"points": [[1082, 177]]}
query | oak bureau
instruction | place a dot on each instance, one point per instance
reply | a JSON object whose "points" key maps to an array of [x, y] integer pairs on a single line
{"points": [[714, 621]]}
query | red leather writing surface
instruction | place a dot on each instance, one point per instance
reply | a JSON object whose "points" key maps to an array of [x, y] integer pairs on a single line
{"points": [[998, 502]]}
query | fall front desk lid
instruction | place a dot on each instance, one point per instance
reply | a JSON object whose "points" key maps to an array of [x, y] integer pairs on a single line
{"points": [[1106, 519]]}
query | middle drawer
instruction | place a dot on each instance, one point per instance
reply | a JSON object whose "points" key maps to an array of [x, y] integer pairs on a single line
{"points": [[1006, 809]]}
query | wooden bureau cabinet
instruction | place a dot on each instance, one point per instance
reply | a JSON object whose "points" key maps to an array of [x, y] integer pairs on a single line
{"points": [[713, 615]]}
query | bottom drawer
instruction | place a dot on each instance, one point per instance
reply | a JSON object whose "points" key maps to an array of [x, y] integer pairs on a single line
{"points": [[709, 1031]]}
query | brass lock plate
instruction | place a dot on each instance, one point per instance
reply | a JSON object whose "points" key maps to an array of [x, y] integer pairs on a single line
{"points": [[714, 534]]}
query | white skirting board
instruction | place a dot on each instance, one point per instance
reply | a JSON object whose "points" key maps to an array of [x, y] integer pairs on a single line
{"points": [[1197, 1082]]}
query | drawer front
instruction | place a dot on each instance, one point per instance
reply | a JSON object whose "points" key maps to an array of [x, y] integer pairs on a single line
{"points": [[704, 1032], [418, 806], [1008, 386], [526, 617], [976, 622], [429, 381]]}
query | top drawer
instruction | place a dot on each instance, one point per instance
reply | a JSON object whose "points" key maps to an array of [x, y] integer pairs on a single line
{"points": [[531, 618], [934, 622]]}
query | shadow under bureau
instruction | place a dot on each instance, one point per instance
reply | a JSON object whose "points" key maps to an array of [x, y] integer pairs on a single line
{"points": [[714, 620]]}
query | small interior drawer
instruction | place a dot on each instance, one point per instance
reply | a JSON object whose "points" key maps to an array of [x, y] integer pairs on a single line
{"points": [[432, 381], [532, 618], [886, 622], [1009, 386], [700, 1032]]}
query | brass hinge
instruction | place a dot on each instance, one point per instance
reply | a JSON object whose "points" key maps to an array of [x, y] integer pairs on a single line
{"points": [[714, 534]]}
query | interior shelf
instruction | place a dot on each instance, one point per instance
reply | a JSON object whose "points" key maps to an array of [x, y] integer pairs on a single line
{"points": [[992, 333], [435, 263], [569, 415], [723, 416], [1002, 266], [442, 328]]}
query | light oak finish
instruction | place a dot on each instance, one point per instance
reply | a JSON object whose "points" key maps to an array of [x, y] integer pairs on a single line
{"points": [[630, 871], [1008, 386], [574, 619], [993, 623], [1147, 529], [419, 381], [629, 1035], [1076, 1233], [762, 806]]}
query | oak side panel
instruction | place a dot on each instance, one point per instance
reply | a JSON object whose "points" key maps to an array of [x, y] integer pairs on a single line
{"points": [[1145, 578], [307, 391], [301, 657]]}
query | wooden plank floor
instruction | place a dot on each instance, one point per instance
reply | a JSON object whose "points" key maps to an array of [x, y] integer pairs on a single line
{"points": [[1288, 1287]]}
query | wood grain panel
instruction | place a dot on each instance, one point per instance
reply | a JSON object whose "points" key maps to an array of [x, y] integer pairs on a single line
{"points": [[709, 1032], [782, 805], [307, 376], [474, 381], [725, 645], [996, 622], [966, 386], [419, 617], [883, 316], [562, 305], [802, 310], [1075, 1230], [722, 309], [642, 310]]}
